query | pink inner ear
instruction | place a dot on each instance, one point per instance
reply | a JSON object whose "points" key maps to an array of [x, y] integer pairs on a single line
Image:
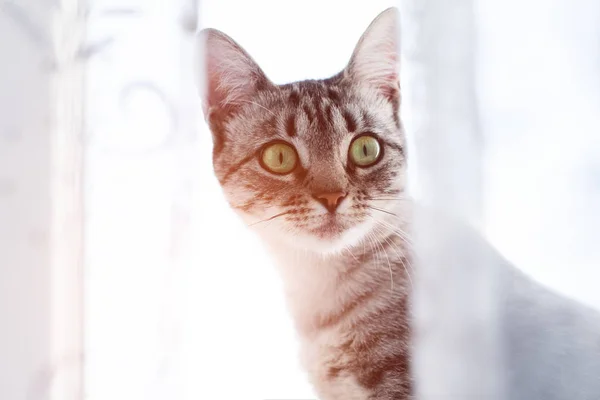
{"points": [[375, 58], [232, 75], [384, 77], [390, 84]]}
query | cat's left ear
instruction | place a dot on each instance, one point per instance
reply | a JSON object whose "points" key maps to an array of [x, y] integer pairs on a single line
{"points": [[227, 76], [376, 57]]}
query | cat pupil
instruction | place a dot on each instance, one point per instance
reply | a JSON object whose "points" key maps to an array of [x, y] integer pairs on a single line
{"points": [[280, 158], [365, 149]]}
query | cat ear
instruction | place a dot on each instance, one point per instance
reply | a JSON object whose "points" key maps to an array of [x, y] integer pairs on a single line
{"points": [[228, 76], [376, 56]]}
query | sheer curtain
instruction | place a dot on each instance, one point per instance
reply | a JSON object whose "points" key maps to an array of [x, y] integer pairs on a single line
{"points": [[540, 95], [502, 108]]}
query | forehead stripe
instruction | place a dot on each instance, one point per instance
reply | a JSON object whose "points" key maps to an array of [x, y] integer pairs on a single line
{"points": [[290, 126], [294, 98], [329, 113], [351, 123], [321, 117], [308, 112], [367, 120], [333, 95]]}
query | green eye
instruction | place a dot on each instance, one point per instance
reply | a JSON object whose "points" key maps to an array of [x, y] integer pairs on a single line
{"points": [[279, 158], [365, 151]]}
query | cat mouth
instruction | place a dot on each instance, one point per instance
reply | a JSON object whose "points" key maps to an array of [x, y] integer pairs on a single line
{"points": [[330, 228]]}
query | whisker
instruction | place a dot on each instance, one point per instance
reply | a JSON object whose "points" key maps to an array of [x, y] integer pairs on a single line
{"points": [[256, 104], [372, 245], [353, 256], [401, 257], [394, 228], [383, 211], [403, 235], [389, 266], [377, 247], [402, 254], [389, 199], [269, 219]]}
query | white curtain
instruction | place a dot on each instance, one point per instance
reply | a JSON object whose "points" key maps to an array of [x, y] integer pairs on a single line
{"points": [[539, 96], [502, 108], [455, 333]]}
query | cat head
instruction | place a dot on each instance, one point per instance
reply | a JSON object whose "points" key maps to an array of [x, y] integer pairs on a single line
{"points": [[314, 163]]}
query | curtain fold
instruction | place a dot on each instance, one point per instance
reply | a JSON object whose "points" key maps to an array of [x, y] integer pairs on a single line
{"points": [[456, 339]]}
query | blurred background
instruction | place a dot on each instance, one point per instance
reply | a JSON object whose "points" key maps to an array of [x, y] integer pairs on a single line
{"points": [[116, 265]]}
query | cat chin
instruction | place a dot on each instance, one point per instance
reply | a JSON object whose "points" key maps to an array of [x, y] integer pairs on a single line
{"points": [[281, 235], [330, 245]]}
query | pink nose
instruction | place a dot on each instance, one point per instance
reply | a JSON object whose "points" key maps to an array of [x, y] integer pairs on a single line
{"points": [[331, 201]]}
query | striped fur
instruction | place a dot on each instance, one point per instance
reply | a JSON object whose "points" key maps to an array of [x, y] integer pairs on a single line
{"points": [[346, 274]]}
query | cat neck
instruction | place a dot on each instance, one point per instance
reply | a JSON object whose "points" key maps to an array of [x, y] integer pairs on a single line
{"points": [[322, 288]]}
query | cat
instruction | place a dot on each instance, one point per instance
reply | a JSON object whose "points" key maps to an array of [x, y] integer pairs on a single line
{"points": [[318, 169]]}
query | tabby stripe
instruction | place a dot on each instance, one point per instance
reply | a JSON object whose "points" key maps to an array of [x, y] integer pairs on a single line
{"points": [[350, 306], [218, 145], [329, 112], [334, 96], [308, 112], [294, 98], [246, 207], [300, 173], [290, 126], [367, 120], [351, 123], [351, 171], [321, 118], [236, 167], [271, 126], [394, 146], [218, 133]]}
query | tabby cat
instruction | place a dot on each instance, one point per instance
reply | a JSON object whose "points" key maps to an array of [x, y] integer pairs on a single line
{"points": [[318, 169]]}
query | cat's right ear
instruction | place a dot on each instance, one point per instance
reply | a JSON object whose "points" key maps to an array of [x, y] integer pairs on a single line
{"points": [[227, 76], [376, 56]]}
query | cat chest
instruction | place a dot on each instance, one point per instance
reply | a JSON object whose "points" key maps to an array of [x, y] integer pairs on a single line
{"points": [[359, 362], [332, 367]]}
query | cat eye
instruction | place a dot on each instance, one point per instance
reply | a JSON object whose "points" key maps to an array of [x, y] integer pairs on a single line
{"points": [[365, 151], [279, 158]]}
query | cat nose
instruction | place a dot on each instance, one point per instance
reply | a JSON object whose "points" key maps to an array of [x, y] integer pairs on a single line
{"points": [[331, 201]]}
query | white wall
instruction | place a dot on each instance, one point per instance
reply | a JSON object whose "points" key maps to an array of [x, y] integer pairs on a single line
{"points": [[40, 203], [24, 210], [140, 137]]}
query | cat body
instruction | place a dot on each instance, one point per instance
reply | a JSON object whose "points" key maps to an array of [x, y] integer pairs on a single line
{"points": [[549, 344], [317, 168], [351, 314], [552, 343]]}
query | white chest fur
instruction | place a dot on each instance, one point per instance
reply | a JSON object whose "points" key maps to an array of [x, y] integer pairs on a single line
{"points": [[315, 291]]}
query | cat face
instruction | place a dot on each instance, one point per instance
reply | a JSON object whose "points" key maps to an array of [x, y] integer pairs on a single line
{"points": [[314, 163]]}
